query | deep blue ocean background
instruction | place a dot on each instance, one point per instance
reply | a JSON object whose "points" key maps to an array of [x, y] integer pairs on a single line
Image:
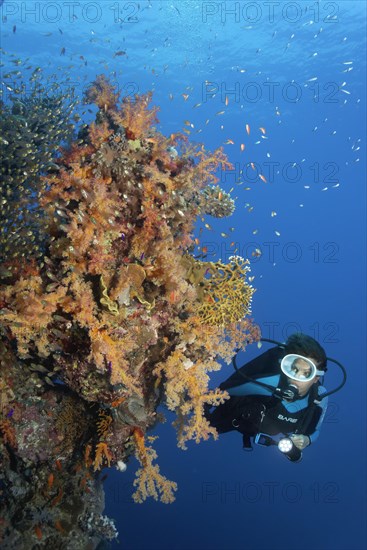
{"points": [[298, 70]]}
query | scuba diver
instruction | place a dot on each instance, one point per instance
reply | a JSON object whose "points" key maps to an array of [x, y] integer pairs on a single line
{"points": [[277, 398]]}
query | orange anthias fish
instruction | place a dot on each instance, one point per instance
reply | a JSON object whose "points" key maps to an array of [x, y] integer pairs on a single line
{"points": [[248, 129], [59, 527], [38, 532], [117, 402], [50, 481]]}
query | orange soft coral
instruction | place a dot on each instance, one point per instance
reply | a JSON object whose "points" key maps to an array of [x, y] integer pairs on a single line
{"points": [[102, 93], [187, 392], [136, 116], [8, 433], [29, 311], [102, 455], [149, 481]]}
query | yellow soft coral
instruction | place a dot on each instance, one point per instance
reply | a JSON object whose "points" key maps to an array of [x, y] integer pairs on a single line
{"points": [[187, 392], [149, 481], [103, 424], [102, 454]]}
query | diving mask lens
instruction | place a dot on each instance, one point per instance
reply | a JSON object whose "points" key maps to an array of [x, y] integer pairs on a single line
{"points": [[298, 367]]}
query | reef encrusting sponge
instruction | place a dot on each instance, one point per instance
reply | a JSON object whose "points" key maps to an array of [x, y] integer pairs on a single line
{"points": [[115, 317]]}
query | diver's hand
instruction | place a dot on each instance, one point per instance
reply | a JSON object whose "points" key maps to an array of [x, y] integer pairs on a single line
{"points": [[300, 441]]}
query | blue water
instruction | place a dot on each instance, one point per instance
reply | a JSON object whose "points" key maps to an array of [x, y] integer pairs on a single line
{"points": [[299, 72]]}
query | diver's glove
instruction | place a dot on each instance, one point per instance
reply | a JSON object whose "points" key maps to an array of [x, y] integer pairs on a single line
{"points": [[301, 441]]}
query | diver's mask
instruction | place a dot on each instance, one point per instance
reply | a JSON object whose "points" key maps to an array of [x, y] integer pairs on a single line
{"points": [[299, 368]]}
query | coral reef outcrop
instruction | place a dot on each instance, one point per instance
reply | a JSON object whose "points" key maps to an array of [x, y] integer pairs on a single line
{"points": [[107, 317]]}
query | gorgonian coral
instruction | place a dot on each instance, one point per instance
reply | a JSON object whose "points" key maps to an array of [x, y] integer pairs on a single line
{"points": [[225, 295], [116, 313]]}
